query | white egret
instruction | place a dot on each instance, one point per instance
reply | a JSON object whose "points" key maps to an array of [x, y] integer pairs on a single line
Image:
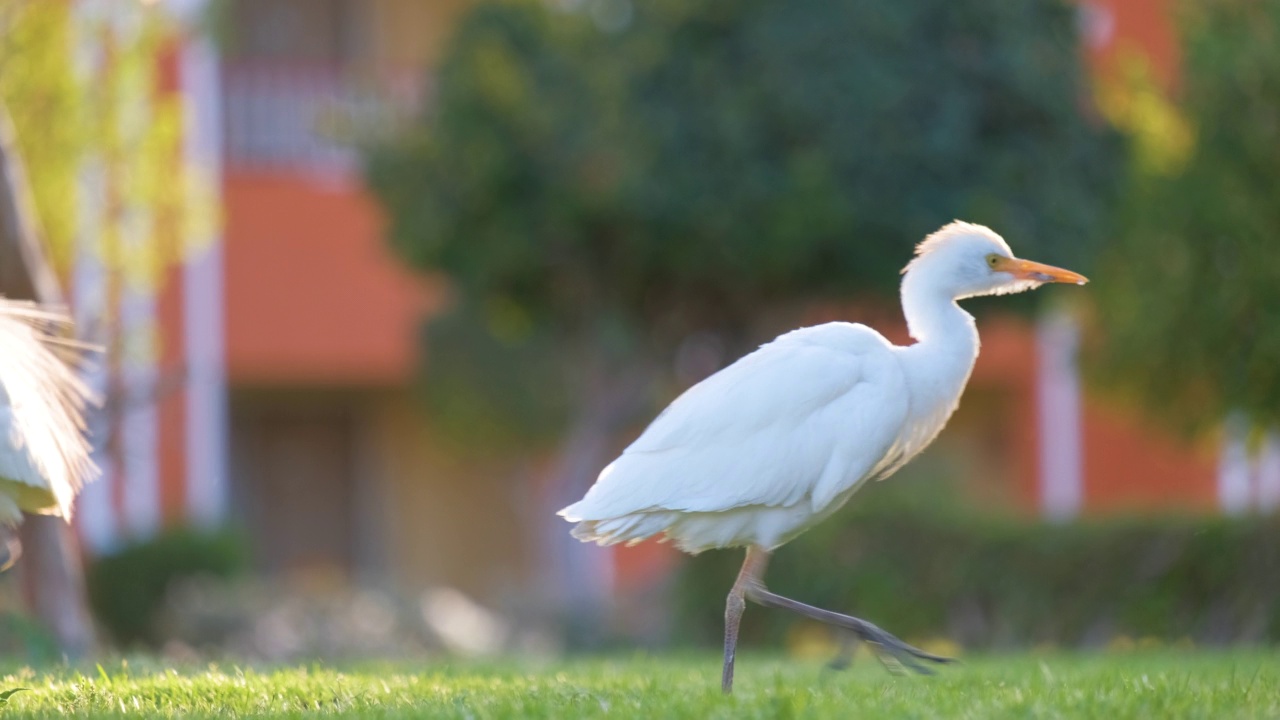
{"points": [[44, 455], [777, 441]]}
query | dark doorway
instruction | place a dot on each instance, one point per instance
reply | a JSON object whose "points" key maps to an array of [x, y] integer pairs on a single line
{"points": [[295, 467]]}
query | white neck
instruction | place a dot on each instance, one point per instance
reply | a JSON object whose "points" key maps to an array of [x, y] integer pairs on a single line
{"points": [[931, 309], [946, 336]]}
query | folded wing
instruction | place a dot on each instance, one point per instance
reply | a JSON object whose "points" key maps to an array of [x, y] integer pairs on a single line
{"points": [[803, 419]]}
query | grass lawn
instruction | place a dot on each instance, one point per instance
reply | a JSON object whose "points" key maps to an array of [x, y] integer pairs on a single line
{"points": [[1155, 684]]}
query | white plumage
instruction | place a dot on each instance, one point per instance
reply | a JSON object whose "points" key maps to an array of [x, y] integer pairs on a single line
{"points": [[44, 456], [780, 439], [728, 464]]}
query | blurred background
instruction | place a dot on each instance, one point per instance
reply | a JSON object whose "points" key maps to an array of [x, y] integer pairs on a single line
{"points": [[384, 283]]}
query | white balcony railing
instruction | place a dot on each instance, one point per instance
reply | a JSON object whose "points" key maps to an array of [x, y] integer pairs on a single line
{"points": [[309, 117]]}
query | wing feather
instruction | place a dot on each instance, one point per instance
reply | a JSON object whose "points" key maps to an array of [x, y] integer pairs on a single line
{"points": [[802, 419]]}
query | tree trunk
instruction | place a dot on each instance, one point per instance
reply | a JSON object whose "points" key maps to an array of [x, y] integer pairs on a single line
{"points": [[51, 561], [53, 571], [581, 574]]}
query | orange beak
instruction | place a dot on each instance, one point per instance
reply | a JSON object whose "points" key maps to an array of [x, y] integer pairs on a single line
{"points": [[1039, 272]]}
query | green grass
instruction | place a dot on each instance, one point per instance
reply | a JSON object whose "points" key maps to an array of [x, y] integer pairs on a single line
{"points": [[1158, 684]]}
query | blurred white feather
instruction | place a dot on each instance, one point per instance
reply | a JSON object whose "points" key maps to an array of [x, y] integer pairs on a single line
{"points": [[44, 454]]}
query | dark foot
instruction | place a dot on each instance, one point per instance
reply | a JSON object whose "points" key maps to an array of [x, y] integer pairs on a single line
{"points": [[894, 654]]}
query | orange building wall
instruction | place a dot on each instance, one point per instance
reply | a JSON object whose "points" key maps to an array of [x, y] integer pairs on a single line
{"points": [[1145, 27], [313, 296], [172, 400], [170, 305], [1131, 467], [1007, 362]]}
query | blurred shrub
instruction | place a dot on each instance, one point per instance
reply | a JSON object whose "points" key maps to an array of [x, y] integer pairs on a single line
{"points": [[127, 588], [997, 582], [25, 639]]}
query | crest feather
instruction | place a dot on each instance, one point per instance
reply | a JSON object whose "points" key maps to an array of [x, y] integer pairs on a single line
{"points": [[954, 229]]}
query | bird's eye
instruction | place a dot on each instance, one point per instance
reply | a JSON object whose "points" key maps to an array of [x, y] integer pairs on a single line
{"points": [[993, 260]]}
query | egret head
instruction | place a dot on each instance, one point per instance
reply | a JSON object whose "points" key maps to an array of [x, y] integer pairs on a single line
{"points": [[963, 260]]}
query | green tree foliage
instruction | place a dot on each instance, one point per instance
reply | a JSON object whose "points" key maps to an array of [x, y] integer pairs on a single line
{"points": [[625, 173], [39, 91], [1189, 295], [113, 113]]}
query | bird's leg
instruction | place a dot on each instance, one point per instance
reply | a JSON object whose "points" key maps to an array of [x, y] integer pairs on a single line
{"points": [[888, 648], [13, 546], [844, 654], [752, 569]]}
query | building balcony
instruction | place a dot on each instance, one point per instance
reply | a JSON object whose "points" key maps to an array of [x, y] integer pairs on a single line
{"points": [[310, 117]]}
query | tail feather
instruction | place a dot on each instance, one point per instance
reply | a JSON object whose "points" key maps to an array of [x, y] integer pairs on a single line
{"points": [[629, 529]]}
